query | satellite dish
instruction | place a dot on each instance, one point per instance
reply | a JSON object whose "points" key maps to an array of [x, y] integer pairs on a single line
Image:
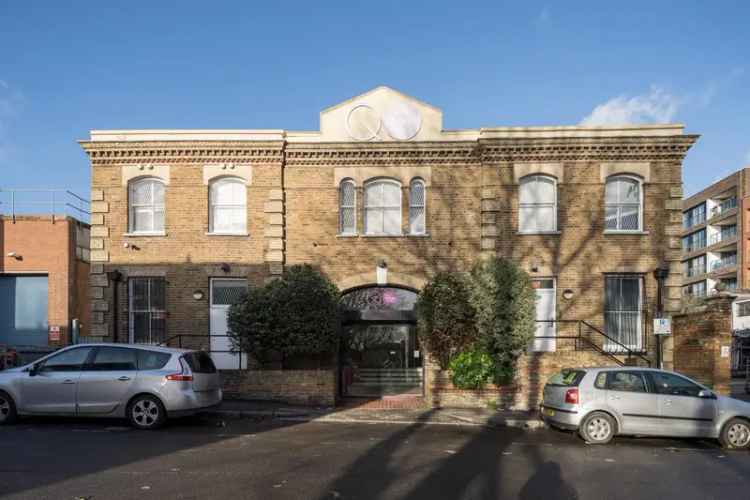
{"points": [[363, 123], [402, 121]]}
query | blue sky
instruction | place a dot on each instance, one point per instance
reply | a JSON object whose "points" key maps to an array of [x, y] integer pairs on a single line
{"points": [[66, 69]]}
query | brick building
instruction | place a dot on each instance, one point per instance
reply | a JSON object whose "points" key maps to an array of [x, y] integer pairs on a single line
{"points": [[714, 233], [380, 198], [44, 276]]}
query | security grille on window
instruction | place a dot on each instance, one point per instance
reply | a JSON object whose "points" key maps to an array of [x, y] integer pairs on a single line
{"points": [[383, 208], [417, 204], [146, 206], [622, 312], [743, 308], [147, 310], [622, 199], [228, 199], [537, 204], [347, 207]]}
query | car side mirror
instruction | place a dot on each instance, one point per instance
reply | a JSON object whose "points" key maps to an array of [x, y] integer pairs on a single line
{"points": [[34, 370], [706, 394]]}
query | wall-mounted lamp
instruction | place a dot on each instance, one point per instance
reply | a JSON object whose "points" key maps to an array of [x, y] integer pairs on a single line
{"points": [[198, 294], [14, 255], [567, 294], [225, 267], [534, 265]]}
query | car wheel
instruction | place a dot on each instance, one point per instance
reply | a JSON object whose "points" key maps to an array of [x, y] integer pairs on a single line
{"points": [[146, 412], [8, 413], [597, 428], [735, 434]]}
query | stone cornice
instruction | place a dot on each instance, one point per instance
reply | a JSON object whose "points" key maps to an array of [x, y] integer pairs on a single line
{"points": [[604, 148], [374, 154], [108, 153]]}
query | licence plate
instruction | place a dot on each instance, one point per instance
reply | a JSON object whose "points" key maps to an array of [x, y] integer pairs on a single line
{"points": [[549, 413]]}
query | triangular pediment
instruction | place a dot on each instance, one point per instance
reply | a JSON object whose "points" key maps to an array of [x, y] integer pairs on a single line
{"points": [[381, 114]]}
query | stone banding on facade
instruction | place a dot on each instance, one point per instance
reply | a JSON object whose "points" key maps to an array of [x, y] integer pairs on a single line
{"points": [[471, 182]]}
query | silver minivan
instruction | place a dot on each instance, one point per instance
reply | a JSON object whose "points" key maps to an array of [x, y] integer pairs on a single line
{"points": [[145, 384], [600, 403]]}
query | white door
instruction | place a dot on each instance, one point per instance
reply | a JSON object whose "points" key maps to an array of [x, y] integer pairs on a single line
{"points": [[224, 293], [546, 328]]}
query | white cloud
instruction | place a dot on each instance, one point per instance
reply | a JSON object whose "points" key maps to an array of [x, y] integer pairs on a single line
{"points": [[657, 106]]}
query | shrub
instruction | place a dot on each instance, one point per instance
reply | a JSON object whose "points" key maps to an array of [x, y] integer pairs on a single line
{"points": [[472, 369], [445, 318], [504, 302], [295, 314]]}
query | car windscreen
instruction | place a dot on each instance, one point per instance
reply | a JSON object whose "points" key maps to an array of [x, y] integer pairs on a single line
{"points": [[200, 362], [567, 378]]}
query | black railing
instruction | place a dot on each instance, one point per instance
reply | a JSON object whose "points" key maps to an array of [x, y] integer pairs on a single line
{"points": [[176, 341], [585, 337]]}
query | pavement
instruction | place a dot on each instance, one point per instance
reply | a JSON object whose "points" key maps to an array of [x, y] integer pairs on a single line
{"points": [[351, 413], [269, 459]]}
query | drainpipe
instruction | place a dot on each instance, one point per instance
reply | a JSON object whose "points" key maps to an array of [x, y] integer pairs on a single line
{"points": [[114, 277], [660, 273]]}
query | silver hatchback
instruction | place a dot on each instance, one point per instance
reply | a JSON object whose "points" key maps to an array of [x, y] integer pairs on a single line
{"points": [[145, 384], [600, 403]]}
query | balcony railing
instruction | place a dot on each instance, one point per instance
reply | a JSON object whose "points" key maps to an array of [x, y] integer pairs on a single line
{"points": [[52, 202], [722, 236], [723, 207], [724, 262]]}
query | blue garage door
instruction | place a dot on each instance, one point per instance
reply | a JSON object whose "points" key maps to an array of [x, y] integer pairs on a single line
{"points": [[23, 310]]}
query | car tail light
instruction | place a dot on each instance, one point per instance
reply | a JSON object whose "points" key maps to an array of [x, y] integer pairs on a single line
{"points": [[571, 396], [184, 376]]}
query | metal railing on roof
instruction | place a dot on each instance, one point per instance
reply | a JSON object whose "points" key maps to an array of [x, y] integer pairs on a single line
{"points": [[53, 202]]}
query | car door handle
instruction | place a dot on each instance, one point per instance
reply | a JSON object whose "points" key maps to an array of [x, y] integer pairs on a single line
{"points": [[614, 397], [123, 378], [667, 402], [68, 381]]}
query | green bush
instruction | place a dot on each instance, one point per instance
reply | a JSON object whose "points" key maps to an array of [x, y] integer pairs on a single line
{"points": [[445, 319], [472, 369], [296, 314], [504, 302]]}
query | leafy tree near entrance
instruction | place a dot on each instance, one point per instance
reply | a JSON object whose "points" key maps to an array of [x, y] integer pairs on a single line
{"points": [[445, 318], [504, 302], [296, 314]]}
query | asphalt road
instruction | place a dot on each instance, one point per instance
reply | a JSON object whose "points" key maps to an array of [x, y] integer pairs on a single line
{"points": [[198, 458]]}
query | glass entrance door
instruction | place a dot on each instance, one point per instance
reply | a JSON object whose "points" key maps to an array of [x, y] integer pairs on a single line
{"points": [[381, 360]]}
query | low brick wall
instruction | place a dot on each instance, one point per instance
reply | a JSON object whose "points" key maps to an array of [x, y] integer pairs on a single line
{"points": [[302, 387], [699, 334], [524, 394]]}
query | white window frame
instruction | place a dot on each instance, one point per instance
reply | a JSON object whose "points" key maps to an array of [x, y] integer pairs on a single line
{"points": [[212, 206], [535, 178], [620, 205], [380, 182], [612, 346], [423, 206], [343, 231], [153, 206], [150, 310]]}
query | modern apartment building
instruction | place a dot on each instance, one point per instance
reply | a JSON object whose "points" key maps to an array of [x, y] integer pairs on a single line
{"points": [[713, 237], [379, 199]]}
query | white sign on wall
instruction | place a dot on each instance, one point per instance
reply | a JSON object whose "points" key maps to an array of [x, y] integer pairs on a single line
{"points": [[725, 351], [662, 326]]}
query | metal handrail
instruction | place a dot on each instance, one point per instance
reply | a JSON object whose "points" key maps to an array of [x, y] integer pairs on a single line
{"points": [[79, 205]]}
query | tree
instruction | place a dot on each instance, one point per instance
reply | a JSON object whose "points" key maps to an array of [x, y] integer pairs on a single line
{"points": [[295, 314], [445, 318], [504, 302]]}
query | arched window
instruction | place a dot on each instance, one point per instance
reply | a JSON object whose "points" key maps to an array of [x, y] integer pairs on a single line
{"points": [[146, 206], [228, 206], [417, 205], [623, 202], [383, 207], [347, 207], [537, 212]]}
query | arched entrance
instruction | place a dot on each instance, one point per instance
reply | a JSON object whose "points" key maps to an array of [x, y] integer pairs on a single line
{"points": [[380, 353]]}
